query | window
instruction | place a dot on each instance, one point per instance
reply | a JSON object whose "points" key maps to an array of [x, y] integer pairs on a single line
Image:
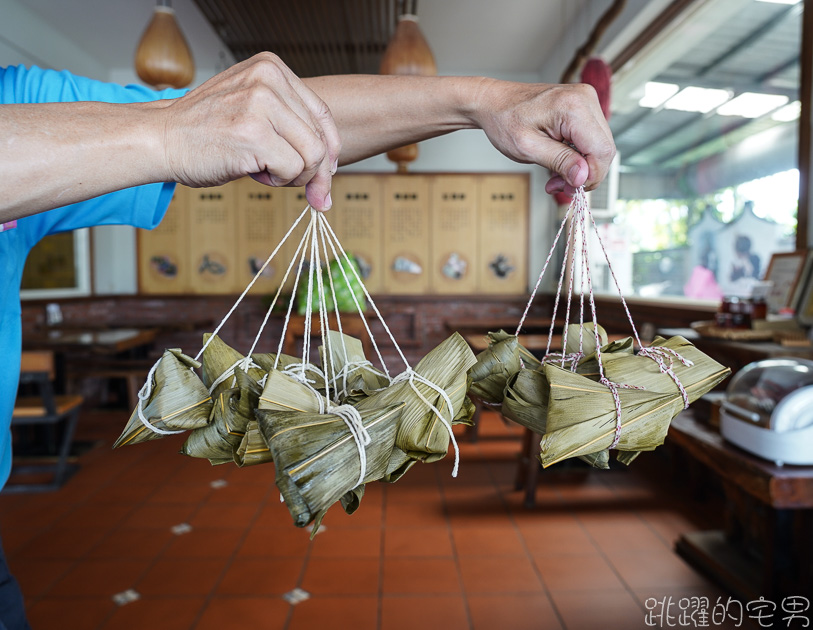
{"points": [[705, 118]]}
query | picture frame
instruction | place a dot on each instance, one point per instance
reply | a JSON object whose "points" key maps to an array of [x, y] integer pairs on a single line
{"points": [[785, 271], [803, 304]]}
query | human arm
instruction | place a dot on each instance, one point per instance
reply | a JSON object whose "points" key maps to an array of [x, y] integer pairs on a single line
{"points": [[258, 119], [529, 123]]}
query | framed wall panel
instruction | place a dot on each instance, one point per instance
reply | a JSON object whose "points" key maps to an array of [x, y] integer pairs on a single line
{"points": [[358, 221], [262, 221], [213, 240], [454, 225], [503, 239], [164, 265], [406, 241]]}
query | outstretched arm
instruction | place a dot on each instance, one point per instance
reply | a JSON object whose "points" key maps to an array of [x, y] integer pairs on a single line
{"points": [[259, 119], [560, 127]]}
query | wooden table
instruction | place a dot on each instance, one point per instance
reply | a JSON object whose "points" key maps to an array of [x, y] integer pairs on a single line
{"points": [[120, 354], [106, 342], [475, 325], [769, 513]]}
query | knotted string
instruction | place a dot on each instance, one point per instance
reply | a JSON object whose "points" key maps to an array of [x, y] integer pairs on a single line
{"points": [[144, 394], [665, 358]]}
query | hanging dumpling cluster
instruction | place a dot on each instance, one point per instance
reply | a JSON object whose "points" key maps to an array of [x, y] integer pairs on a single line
{"points": [[328, 431], [576, 414]]}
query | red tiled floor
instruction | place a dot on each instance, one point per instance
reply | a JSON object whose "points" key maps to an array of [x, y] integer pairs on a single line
{"points": [[517, 612], [99, 577], [358, 613], [260, 576], [424, 542], [426, 576], [589, 572], [68, 612], [426, 613], [341, 576], [244, 612], [430, 551], [498, 574], [156, 613]]}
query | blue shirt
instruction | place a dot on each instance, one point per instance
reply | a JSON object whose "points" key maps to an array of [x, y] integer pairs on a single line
{"points": [[142, 206]]}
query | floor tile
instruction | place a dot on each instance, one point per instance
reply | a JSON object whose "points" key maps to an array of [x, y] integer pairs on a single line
{"points": [[559, 536], [648, 568], [132, 544], [159, 516], [52, 613], [99, 577], [496, 574], [181, 493], [38, 576], [622, 531], [358, 613], [495, 540], [342, 576], [517, 612], [577, 573], [424, 542], [62, 544], [347, 543], [426, 613], [609, 610], [244, 612], [263, 576], [411, 515], [156, 613], [225, 515], [204, 543], [262, 541], [171, 577], [420, 575]]}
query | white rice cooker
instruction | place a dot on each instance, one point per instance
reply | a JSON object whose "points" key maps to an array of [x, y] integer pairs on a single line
{"points": [[768, 410]]}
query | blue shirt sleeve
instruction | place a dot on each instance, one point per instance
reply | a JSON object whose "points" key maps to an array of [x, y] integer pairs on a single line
{"points": [[143, 206]]}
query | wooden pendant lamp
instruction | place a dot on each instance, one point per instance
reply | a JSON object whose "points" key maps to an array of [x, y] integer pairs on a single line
{"points": [[407, 53], [163, 58]]}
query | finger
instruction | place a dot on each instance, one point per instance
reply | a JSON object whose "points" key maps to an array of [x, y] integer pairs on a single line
{"points": [[322, 117]]}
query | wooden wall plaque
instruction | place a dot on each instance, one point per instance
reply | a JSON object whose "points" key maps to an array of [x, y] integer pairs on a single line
{"points": [[213, 240], [502, 252], [357, 220], [262, 221], [163, 253], [406, 234], [454, 226]]}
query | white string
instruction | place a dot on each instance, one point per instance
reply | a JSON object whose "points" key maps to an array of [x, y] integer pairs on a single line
{"points": [[411, 376], [245, 363], [352, 418], [250, 284], [143, 394]]}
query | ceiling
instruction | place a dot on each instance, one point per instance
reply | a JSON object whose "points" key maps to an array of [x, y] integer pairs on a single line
{"points": [[740, 45], [754, 47], [466, 36]]}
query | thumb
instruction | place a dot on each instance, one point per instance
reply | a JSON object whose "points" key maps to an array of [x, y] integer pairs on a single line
{"points": [[570, 165]]}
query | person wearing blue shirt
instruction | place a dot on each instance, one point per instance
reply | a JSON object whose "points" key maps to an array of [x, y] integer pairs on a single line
{"points": [[75, 152]]}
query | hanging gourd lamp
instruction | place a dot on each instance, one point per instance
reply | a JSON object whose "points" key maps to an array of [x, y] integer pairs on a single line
{"points": [[163, 58], [407, 53]]}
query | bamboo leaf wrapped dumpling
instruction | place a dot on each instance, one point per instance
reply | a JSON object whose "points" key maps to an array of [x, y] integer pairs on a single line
{"points": [[176, 401], [421, 434], [349, 372], [232, 411], [317, 458], [494, 367]]}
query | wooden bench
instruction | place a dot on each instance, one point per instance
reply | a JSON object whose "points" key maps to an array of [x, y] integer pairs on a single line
{"points": [[44, 409]]}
